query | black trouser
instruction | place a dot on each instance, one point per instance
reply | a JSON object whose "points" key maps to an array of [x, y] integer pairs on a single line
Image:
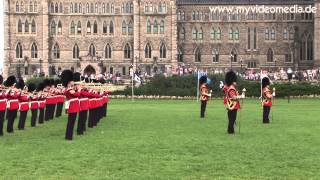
{"points": [[2, 121], [22, 120], [81, 122], [105, 106], [203, 108], [71, 120], [266, 112], [232, 116], [85, 114], [53, 109], [59, 109], [47, 113], [34, 115], [41, 115], [12, 114], [91, 118]]}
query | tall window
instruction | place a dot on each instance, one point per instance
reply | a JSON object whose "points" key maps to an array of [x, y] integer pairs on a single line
{"points": [[155, 26], [34, 51], [194, 33], [92, 50], [31, 6], [56, 8], [127, 52], [270, 55], [56, 51], [200, 34], [111, 29], [285, 34], [130, 28], [60, 8], [255, 38], [79, 27], [76, 52], [19, 51], [87, 8], [59, 27], [107, 51], [33, 26], [148, 26], [72, 28], [95, 27], [236, 34], [88, 27], [249, 38], [75, 8], [147, 51], [17, 6], [105, 28], [291, 34], [163, 51], [180, 56], [309, 48], [51, 7], [124, 27], [80, 8], [53, 27], [19, 26], [289, 56], [182, 34], [273, 34], [266, 34], [162, 26], [234, 55], [215, 56], [103, 8], [26, 27], [231, 34], [197, 55]]}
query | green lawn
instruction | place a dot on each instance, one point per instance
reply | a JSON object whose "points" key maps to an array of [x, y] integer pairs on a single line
{"points": [[167, 140]]}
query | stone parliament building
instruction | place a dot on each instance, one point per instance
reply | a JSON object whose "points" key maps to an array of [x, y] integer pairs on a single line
{"points": [[47, 36]]}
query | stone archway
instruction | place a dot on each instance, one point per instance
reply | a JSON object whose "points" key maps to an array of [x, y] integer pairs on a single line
{"points": [[89, 70]]}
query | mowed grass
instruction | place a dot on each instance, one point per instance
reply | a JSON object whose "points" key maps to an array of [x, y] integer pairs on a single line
{"points": [[166, 139]]}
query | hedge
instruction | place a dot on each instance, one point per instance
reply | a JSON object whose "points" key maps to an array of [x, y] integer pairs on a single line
{"points": [[187, 86]]}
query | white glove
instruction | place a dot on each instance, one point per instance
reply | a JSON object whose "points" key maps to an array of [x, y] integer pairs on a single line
{"points": [[274, 94], [221, 85]]}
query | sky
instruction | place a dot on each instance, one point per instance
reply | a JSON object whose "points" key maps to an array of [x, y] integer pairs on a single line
{"points": [[1, 34]]}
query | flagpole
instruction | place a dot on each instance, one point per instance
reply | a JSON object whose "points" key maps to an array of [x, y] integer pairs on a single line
{"points": [[198, 85]]}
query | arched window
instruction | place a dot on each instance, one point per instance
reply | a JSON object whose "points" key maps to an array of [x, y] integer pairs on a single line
{"points": [[19, 26], [111, 28], [291, 34], [310, 48], [108, 52], [273, 34], [56, 8], [234, 55], [163, 51], [182, 34], [17, 6], [127, 7], [122, 8], [236, 34], [30, 6], [92, 50], [59, 27], [194, 33], [162, 26], [19, 51], [131, 7], [56, 51], [148, 26], [285, 34], [105, 28], [53, 27], [87, 8], [96, 8], [26, 27], [197, 55], [147, 51], [231, 34], [103, 8], [95, 27], [200, 34], [80, 8], [61, 8], [108, 8], [127, 52], [270, 55], [34, 51], [33, 26], [79, 27], [155, 26], [35, 6], [76, 52], [215, 56], [180, 56], [267, 34], [72, 28], [218, 34], [112, 8], [130, 27], [179, 16], [51, 7], [88, 27], [91, 8], [124, 27], [75, 8]]}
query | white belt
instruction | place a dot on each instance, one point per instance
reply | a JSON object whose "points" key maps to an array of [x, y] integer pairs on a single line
{"points": [[84, 99], [3, 100], [13, 100], [92, 99], [24, 103], [67, 103]]}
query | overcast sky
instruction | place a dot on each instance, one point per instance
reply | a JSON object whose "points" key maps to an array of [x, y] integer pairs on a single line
{"points": [[1, 34]]}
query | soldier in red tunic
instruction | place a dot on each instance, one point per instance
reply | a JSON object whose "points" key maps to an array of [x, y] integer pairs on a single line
{"points": [[41, 102], [266, 99], [34, 104], [92, 106], [72, 105], [13, 102], [60, 97], [232, 99], [204, 95], [3, 105], [24, 103]]}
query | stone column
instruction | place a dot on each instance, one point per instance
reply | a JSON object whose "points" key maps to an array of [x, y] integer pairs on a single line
{"points": [[317, 34], [43, 30], [174, 36], [136, 33], [8, 46]]}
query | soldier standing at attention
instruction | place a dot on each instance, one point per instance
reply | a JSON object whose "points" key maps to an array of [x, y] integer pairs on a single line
{"points": [[266, 99], [204, 95]]}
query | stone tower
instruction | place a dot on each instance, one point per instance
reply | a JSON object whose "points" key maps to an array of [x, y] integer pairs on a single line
{"points": [[317, 34]]}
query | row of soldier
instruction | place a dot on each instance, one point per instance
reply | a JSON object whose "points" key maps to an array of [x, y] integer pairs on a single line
{"points": [[45, 101]]}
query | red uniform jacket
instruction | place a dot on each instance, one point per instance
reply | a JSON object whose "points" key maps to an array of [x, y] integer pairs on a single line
{"points": [[267, 101], [24, 103], [84, 100], [13, 101], [72, 105], [34, 102], [41, 102], [3, 101], [232, 94]]}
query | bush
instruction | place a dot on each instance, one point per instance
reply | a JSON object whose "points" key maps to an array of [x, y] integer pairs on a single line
{"points": [[187, 86]]}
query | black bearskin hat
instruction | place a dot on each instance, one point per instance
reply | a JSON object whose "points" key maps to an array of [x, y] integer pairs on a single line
{"points": [[46, 82], [57, 81], [20, 84], [32, 87], [51, 82], [1, 79], [11, 80], [231, 77], [66, 77], [203, 79], [40, 86], [265, 82], [77, 77]]}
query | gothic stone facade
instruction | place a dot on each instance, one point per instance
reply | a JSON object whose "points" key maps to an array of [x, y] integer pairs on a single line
{"points": [[112, 35]]}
